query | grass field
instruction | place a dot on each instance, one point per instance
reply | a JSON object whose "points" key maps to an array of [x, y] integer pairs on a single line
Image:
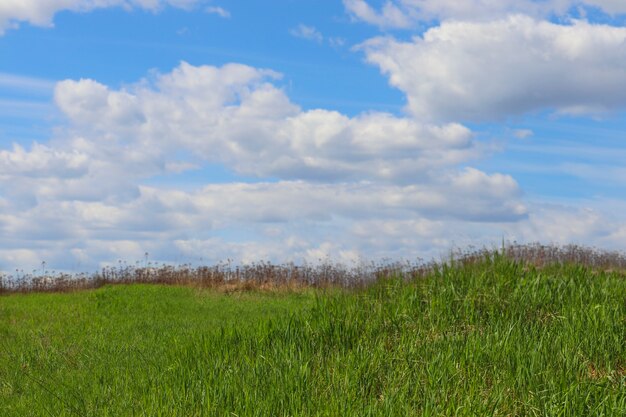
{"points": [[490, 337]]}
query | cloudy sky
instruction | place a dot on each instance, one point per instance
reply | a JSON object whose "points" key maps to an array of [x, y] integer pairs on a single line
{"points": [[200, 131]]}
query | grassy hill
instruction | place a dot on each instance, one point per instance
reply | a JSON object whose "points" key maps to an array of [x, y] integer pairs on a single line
{"points": [[488, 336]]}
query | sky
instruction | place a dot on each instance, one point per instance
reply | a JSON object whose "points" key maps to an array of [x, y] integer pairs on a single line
{"points": [[193, 131]]}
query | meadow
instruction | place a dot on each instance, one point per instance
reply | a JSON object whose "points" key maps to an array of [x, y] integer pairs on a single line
{"points": [[516, 333]]}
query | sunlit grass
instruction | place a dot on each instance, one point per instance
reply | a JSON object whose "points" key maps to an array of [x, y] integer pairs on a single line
{"points": [[487, 337]]}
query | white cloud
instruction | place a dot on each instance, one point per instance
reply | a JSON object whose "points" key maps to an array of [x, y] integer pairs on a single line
{"points": [[84, 235], [390, 16], [41, 12], [84, 188], [312, 34], [374, 185], [404, 14], [491, 70], [308, 217], [221, 12], [588, 224], [610, 6], [41, 161], [307, 32], [233, 115]]}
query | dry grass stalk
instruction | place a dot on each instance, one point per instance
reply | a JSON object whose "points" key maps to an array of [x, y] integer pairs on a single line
{"points": [[269, 277]]}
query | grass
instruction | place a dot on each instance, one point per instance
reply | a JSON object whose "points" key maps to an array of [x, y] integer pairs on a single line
{"points": [[488, 336]]}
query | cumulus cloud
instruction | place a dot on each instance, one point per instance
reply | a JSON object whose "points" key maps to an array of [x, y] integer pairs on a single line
{"points": [[101, 234], [491, 70], [236, 116], [86, 186], [41, 161], [373, 185], [306, 220], [590, 223], [403, 14], [41, 12], [325, 184], [219, 206]]}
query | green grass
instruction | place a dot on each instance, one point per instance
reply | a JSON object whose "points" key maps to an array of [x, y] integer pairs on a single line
{"points": [[491, 338]]}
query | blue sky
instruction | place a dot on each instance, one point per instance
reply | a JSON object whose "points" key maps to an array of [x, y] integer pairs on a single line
{"points": [[303, 130]]}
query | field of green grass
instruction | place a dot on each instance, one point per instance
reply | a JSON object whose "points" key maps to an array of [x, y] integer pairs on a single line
{"points": [[492, 337]]}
